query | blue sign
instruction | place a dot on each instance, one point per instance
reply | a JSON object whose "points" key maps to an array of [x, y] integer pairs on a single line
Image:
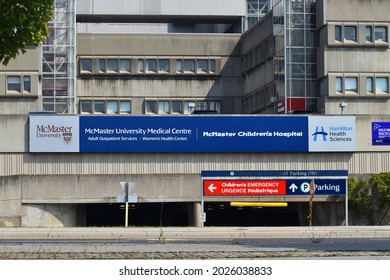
{"points": [[280, 174], [381, 133], [322, 187], [193, 134]]}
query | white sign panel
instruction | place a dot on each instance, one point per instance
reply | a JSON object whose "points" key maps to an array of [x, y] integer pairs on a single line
{"points": [[327, 134], [54, 134]]}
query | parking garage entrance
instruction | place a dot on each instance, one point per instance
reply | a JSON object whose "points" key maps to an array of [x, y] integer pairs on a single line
{"points": [[220, 188]]}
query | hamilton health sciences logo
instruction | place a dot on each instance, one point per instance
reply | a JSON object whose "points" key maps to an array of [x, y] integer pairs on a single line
{"points": [[319, 133]]}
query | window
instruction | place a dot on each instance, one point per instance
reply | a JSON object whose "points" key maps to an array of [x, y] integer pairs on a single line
{"points": [[112, 65], [189, 65], [213, 67], [189, 107], [351, 84], [368, 33], [124, 65], [215, 105], [350, 33], [151, 65], [163, 65], [337, 33], [163, 107], [100, 107], [179, 66], [370, 84], [339, 84], [86, 106], [13, 83], [150, 107], [86, 65], [140, 65], [381, 33], [102, 65], [202, 66], [201, 105], [27, 84], [382, 85], [176, 107], [112, 107], [125, 107]]}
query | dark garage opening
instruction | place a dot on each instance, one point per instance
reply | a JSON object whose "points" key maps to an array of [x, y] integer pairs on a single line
{"points": [[180, 214], [140, 214], [222, 214]]}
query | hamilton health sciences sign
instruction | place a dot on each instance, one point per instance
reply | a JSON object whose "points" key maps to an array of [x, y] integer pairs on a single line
{"points": [[220, 133]]}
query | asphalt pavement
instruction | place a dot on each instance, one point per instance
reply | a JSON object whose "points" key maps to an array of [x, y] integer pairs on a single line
{"points": [[363, 242]]}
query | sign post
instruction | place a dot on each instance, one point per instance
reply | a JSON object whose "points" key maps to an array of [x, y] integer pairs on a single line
{"points": [[127, 187]]}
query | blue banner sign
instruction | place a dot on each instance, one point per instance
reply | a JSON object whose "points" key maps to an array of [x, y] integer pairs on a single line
{"points": [[381, 133], [193, 134], [322, 187], [275, 173]]}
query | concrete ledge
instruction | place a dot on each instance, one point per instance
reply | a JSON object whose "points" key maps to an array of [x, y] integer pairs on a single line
{"points": [[188, 233]]}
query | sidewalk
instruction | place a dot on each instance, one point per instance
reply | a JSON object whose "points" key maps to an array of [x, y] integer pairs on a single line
{"points": [[188, 233]]}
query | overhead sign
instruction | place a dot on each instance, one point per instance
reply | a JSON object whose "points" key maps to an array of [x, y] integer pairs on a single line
{"points": [[270, 183], [321, 187], [220, 133], [243, 187], [273, 187], [380, 133]]}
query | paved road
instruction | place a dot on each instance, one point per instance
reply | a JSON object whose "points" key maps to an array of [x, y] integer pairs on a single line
{"points": [[196, 243]]}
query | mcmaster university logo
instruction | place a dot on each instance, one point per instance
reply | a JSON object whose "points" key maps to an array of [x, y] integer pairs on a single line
{"points": [[319, 133], [67, 137], [54, 131]]}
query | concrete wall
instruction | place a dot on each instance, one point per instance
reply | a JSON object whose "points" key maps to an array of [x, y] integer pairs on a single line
{"points": [[225, 85], [48, 215], [10, 201], [258, 85], [28, 64], [352, 10]]}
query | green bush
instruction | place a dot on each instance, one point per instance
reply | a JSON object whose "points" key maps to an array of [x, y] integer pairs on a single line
{"points": [[370, 199]]}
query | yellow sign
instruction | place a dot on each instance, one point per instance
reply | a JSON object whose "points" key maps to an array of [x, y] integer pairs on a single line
{"points": [[259, 204]]}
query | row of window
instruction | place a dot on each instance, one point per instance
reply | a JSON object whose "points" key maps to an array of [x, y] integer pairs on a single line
{"points": [[19, 84], [124, 106], [257, 56], [105, 106], [365, 34], [373, 85], [138, 66], [180, 106], [258, 100]]}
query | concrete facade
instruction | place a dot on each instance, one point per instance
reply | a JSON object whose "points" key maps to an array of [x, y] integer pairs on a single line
{"points": [[348, 70]]}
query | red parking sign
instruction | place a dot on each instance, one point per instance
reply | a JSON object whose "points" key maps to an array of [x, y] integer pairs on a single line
{"points": [[244, 187]]}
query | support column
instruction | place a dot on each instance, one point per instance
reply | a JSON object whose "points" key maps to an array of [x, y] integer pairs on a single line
{"points": [[196, 214]]}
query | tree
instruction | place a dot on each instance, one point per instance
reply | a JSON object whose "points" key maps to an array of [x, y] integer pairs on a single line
{"points": [[23, 23], [371, 199], [380, 184]]}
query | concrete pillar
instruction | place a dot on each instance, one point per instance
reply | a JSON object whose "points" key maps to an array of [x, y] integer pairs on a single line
{"points": [[10, 201], [49, 215], [197, 209]]}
